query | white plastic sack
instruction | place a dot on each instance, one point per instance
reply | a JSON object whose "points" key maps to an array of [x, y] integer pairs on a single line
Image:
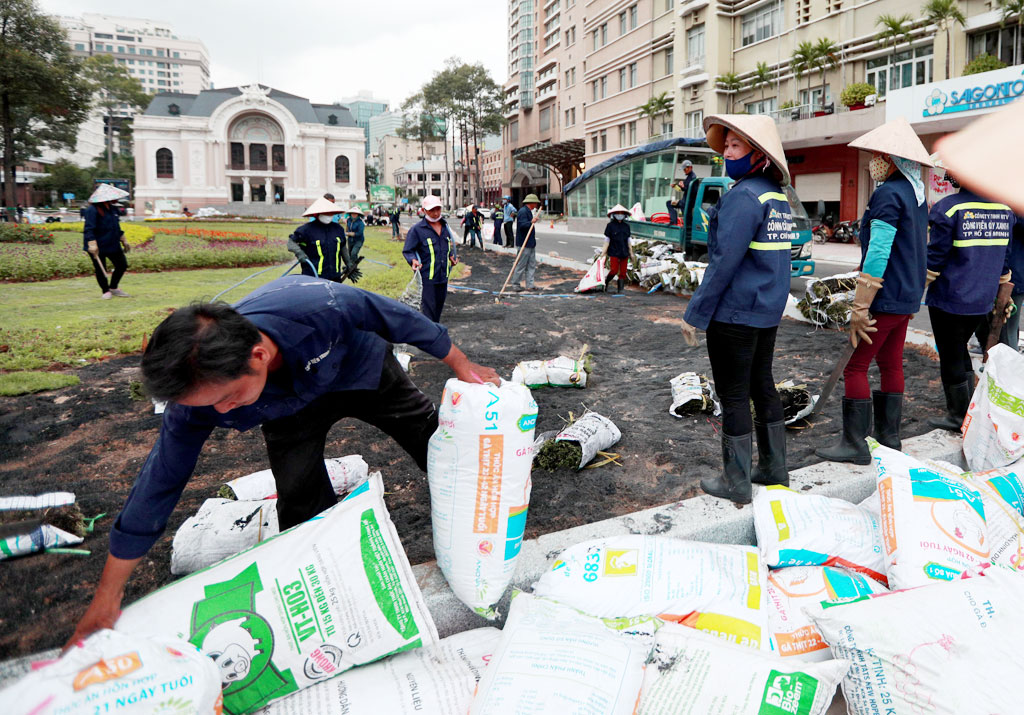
{"points": [[331, 593], [593, 278], [346, 473], [559, 372], [48, 500], [110, 672], [593, 432], [1002, 492], [692, 673], [412, 296], [404, 358], [691, 392], [933, 522], [478, 469], [716, 588], [945, 649], [798, 529], [792, 588], [43, 537], [426, 681], [221, 528], [994, 425], [637, 212], [555, 660]]}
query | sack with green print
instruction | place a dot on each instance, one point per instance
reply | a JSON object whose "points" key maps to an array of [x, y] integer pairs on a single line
{"points": [[331, 593], [994, 426], [693, 673]]}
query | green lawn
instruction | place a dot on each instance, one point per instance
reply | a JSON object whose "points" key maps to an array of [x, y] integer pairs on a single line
{"points": [[65, 323]]}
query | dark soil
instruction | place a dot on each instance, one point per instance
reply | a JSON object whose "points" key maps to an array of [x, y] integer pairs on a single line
{"points": [[92, 439]]}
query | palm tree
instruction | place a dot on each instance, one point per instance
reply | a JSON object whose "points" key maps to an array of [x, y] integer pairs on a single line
{"points": [[942, 14], [894, 30], [654, 108], [826, 56], [802, 61], [730, 82], [762, 78], [1009, 8]]}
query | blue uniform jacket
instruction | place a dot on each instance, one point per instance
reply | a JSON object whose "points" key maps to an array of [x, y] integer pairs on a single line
{"points": [[524, 219], [358, 227], [969, 246], [473, 221], [332, 337], [749, 240], [1017, 256], [903, 279], [104, 229], [422, 242], [325, 246]]}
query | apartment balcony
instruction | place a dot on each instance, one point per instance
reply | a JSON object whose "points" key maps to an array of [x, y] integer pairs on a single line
{"points": [[799, 127]]}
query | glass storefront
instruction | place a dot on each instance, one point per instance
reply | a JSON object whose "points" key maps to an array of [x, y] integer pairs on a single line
{"points": [[645, 179]]}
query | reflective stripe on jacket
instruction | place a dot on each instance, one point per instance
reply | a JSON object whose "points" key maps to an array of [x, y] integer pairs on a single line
{"points": [[433, 251]]}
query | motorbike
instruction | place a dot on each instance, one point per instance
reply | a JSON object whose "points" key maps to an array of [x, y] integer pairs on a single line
{"points": [[843, 232], [847, 232], [824, 231]]}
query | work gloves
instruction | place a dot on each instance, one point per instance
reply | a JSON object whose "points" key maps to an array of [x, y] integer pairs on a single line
{"points": [[861, 322], [1004, 302], [352, 272]]}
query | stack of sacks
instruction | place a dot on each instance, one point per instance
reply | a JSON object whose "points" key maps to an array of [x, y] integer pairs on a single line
{"points": [[656, 263]]}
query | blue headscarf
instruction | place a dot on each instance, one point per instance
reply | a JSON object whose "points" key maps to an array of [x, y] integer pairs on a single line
{"points": [[911, 170]]}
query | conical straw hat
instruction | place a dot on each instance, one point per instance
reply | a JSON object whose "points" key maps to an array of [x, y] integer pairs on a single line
{"points": [[759, 131], [981, 158], [322, 206], [617, 209], [896, 138], [106, 192]]}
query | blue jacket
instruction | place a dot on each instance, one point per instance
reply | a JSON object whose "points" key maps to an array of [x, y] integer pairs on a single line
{"points": [[524, 219], [969, 247], [1017, 256], [358, 227], [749, 240], [618, 233], [509, 212], [422, 242], [903, 279], [332, 337], [473, 220], [104, 229], [325, 246]]}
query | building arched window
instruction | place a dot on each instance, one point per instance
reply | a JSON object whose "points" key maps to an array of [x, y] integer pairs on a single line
{"points": [[164, 164], [341, 173]]}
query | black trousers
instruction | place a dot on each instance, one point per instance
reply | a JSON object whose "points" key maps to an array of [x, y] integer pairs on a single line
{"points": [[120, 263], [432, 302], [509, 238], [295, 444], [741, 364], [951, 333]]}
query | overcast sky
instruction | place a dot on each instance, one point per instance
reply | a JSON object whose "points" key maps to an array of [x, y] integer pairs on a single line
{"points": [[326, 50]]}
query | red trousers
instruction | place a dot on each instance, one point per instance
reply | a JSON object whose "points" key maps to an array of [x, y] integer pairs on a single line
{"points": [[618, 265], [886, 349]]}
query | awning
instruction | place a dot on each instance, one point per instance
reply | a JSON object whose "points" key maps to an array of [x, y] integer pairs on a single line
{"points": [[631, 153], [570, 151]]}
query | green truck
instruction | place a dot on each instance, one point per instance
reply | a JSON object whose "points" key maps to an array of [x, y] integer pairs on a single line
{"points": [[692, 234]]}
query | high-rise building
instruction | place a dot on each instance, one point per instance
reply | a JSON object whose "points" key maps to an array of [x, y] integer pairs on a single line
{"points": [[149, 50], [363, 107], [383, 125]]}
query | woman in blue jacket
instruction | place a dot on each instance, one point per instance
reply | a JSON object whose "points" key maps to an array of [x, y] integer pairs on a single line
{"points": [[103, 239], [740, 301], [893, 246]]}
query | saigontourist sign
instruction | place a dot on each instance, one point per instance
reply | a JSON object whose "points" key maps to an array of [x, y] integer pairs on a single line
{"points": [[958, 97]]}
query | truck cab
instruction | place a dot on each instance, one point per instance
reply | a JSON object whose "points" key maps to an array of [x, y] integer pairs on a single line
{"points": [[692, 231]]}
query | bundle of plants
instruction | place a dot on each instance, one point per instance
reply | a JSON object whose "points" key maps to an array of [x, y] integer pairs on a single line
{"points": [[576, 445], [692, 395], [797, 401], [63, 513], [828, 286]]}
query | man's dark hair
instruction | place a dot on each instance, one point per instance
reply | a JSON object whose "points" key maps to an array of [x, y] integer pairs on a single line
{"points": [[203, 343], [329, 196]]}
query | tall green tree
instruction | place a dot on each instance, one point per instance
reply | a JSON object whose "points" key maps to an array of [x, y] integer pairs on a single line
{"points": [[802, 61], [761, 78], [1010, 9], [655, 107], [485, 114], [894, 30], [113, 87], [942, 14], [65, 177], [420, 126], [730, 82], [826, 57], [42, 97]]}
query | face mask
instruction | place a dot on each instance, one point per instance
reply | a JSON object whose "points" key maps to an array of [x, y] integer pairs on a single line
{"points": [[619, 217], [324, 219], [432, 219], [737, 168], [878, 167]]}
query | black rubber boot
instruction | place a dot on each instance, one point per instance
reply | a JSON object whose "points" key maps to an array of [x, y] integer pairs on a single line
{"points": [[771, 454], [618, 285], [958, 399], [888, 414], [734, 483], [607, 282], [856, 426]]}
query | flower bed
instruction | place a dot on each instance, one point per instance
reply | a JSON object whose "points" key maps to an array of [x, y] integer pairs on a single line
{"points": [[24, 233], [215, 237], [137, 236]]}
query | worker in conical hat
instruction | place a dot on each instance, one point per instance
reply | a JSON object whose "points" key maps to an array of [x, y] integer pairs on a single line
{"points": [[321, 245], [741, 298], [103, 239], [894, 253], [617, 246]]}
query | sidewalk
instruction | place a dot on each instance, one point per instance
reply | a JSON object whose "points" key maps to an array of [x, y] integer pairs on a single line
{"points": [[847, 253]]}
